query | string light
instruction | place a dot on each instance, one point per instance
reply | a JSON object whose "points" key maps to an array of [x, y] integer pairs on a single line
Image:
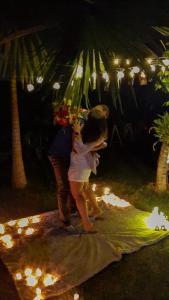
{"points": [[30, 87], [56, 86], [18, 276], [39, 79], [105, 76], [19, 230], [127, 62], [28, 271], [165, 62], [38, 272], [131, 73], [116, 61], [120, 75], [136, 69]]}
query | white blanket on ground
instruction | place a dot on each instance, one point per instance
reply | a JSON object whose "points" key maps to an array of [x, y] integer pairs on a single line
{"points": [[76, 258]]}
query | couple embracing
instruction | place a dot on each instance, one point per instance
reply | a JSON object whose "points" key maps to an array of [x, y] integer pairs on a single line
{"points": [[73, 155]]}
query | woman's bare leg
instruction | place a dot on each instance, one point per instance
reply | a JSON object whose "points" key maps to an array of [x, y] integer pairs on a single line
{"points": [[96, 211], [77, 193]]}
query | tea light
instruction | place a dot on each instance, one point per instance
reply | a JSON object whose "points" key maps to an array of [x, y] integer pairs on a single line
{"points": [[29, 231], [2, 229], [18, 276], [23, 222]]}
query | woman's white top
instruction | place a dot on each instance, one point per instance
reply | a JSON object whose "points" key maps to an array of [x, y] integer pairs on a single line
{"points": [[83, 161]]}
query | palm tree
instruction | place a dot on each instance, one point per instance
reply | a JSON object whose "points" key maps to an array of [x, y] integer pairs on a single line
{"points": [[23, 58], [161, 127]]}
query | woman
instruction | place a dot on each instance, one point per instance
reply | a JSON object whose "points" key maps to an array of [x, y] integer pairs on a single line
{"points": [[84, 160]]}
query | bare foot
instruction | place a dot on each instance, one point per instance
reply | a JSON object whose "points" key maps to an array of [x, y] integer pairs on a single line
{"points": [[89, 228]]}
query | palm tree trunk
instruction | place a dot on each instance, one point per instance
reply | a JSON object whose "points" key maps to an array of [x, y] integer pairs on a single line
{"points": [[18, 172], [162, 169]]}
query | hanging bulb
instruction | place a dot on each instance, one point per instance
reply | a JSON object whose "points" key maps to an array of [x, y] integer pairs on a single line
{"points": [[166, 62], [116, 61], [143, 78], [120, 75], [30, 87], [136, 69], [56, 86], [39, 79], [131, 73], [105, 76], [127, 62]]}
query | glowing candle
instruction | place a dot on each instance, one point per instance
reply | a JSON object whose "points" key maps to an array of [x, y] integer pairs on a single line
{"points": [[106, 190], [76, 296], [38, 272], [49, 279], [2, 229], [28, 271], [23, 222], [31, 280], [18, 276], [29, 231], [94, 187], [19, 230], [11, 223], [35, 219]]}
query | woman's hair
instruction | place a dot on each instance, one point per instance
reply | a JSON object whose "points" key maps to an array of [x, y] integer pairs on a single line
{"points": [[102, 108], [94, 127]]}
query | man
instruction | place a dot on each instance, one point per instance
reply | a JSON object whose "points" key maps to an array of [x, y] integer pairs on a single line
{"points": [[59, 157]]}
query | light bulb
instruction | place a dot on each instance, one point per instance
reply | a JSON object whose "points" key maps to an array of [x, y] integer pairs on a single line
{"points": [[38, 272], [29, 231], [39, 79], [30, 87], [56, 86], [18, 276], [106, 76], [127, 62], [166, 61], [31, 280], [120, 75], [136, 69], [116, 61], [28, 271]]}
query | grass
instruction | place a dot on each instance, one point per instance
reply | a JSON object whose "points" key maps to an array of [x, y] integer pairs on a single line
{"points": [[141, 275]]}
